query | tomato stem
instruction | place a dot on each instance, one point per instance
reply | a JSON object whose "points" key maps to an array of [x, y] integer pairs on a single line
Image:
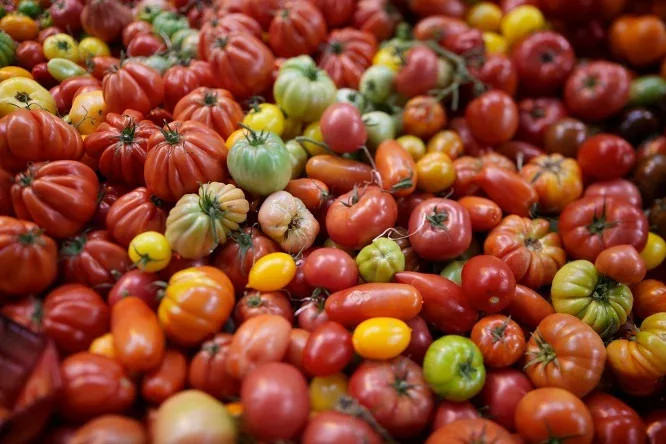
{"points": [[437, 218], [31, 237], [74, 246]]}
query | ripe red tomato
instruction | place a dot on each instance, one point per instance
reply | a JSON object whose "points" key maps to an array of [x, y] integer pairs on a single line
{"points": [[492, 117], [614, 421], [179, 81], [420, 340], [133, 86], [488, 283], [138, 338], [145, 45], [484, 214], [536, 115], [343, 128], [30, 53], [418, 73], [528, 307], [72, 86], [499, 73], [328, 351], [133, 29], [500, 339], [440, 229], [619, 189], [331, 427], [208, 368], [339, 174], [298, 338], [597, 90], [215, 108], [649, 298], [140, 284], [348, 53], [134, 213], [166, 380], [299, 287], [451, 411], [377, 17], [255, 303], [437, 27], [514, 194], [503, 390], [465, 431], [298, 28], [312, 313], [622, 263], [605, 157], [330, 268]]}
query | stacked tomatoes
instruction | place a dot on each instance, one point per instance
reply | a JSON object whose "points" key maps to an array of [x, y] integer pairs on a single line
{"points": [[333, 221]]}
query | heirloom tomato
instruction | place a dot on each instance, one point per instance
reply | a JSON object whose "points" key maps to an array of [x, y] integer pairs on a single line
{"points": [[285, 219], [440, 229], [19, 27], [88, 111], [21, 92], [272, 272], [630, 33], [503, 390], [381, 338], [196, 303], [328, 350], [168, 23], [312, 192], [255, 303], [605, 157], [298, 28], [208, 368], [298, 338], [105, 19], [134, 213], [643, 356], [528, 307], [339, 174], [347, 54], [149, 251], [180, 81], [565, 352], [61, 46], [649, 298], [73, 86], [133, 86], [557, 180], [614, 420], [451, 411], [500, 339], [618, 189], [264, 117], [621, 263], [468, 430], [467, 170], [380, 260], [543, 61], [376, 83], [138, 339], [488, 283], [597, 90], [378, 17], [28, 54]]}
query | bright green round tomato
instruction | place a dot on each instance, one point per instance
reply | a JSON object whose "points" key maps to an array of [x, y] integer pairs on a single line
{"points": [[260, 163], [265, 117], [380, 127], [302, 90], [647, 90], [453, 271], [380, 260], [30, 8], [7, 49], [168, 23], [62, 69], [453, 368], [298, 157], [381, 338], [348, 95], [377, 83], [603, 304]]}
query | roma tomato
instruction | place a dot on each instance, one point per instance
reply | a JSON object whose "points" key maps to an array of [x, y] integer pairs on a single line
{"points": [[396, 394], [134, 213], [133, 86], [509, 190], [196, 304], [215, 108], [528, 307], [208, 369], [488, 283], [621, 263], [492, 117], [440, 229], [256, 303], [467, 430], [381, 338], [484, 214], [614, 420], [347, 54], [312, 192], [565, 352], [615, 154], [330, 268], [500, 339], [339, 174], [328, 350], [501, 394], [138, 339], [557, 180], [597, 90], [166, 380]]}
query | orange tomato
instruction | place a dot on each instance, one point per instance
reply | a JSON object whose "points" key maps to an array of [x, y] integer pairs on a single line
{"points": [[435, 172], [167, 380], [423, 116], [19, 27], [640, 40], [396, 168], [447, 142], [13, 71], [103, 346], [88, 111], [557, 180]]}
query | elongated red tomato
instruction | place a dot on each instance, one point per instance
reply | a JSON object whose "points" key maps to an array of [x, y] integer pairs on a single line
{"points": [[396, 168], [339, 174], [138, 339], [509, 190]]}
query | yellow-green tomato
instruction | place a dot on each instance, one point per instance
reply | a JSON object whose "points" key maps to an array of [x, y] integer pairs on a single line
{"points": [[265, 117], [326, 390], [61, 46], [272, 272], [91, 47], [298, 156], [380, 260], [654, 251], [381, 338], [150, 251]]}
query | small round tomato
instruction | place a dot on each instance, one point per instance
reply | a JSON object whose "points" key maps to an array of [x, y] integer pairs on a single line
{"points": [[61, 46], [388, 57], [488, 283], [605, 157], [413, 145], [423, 116], [536, 116], [150, 251], [313, 139], [14, 71], [342, 128], [435, 172], [329, 349], [494, 43], [597, 90], [265, 117], [326, 390], [381, 338], [272, 272], [492, 117], [330, 268], [90, 47], [654, 252], [447, 142], [485, 16], [500, 339], [565, 136], [622, 263], [440, 229], [29, 54], [521, 22]]}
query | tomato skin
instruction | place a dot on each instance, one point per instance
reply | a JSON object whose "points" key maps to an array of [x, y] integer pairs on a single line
{"points": [[215, 108], [649, 298], [492, 117], [354, 305], [614, 421], [208, 369], [331, 427], [133, 213], [133, 29], [124, 88], [99, 65], [655, 425], [397, 168], [629, 33], [557, 180], [145, 45], [342, 128], [576, 355], [500, 73], [618, 189], [440, 229], [500, 340], [528, 307], [138, 339], [488, 283], [545, 413], [444, 304], [509, 190], [330, 268], [592, 224], [503, 390], [110, 428], [376, 17], [621, 263], [93, 385], [313, 314], [451, 411], [298, 338], [597, 90], [136, 283], [484, 214], [420, 340], [468, 169], [71, 86], [467, 430], [312, 192], [403, 412], [418, 73], [615, 153], [166, 380], [257, 303], [347, 54], [29, 54], [339, 174], [298, 28], [105, 19], [328, 350]]}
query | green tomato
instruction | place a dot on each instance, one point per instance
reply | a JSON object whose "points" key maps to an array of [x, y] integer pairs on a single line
{"points": [[45, 21], [302, 90], [348, 95], [155, 61], [380, 260], [168, 23], [186, 41], [30, 8], [380, 127], [7, 49], [148, 13], [453, 271], [445, 73], [453, 368], [377, 83], [260, 163], [647, 90], [603, 304], [298, 156], [61, 69]]}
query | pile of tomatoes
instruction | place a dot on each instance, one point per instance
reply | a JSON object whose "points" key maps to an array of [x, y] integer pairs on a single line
{"points": [[333, 221]]}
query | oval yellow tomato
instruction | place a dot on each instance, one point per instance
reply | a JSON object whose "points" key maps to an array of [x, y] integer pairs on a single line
{"points": [[495, 43], [103, 346], [272, 272], [21, 92], [381, 338], [326, 390], [447, 142], [265, 117], [88, 111], [435, 172], [485, 16], [236, 136], [388, 57], [61, 46], [654, 251], [413, 145], [150, 251], [14, 71], [19, 27], [313, 132], [521, 22], [92, 47]]}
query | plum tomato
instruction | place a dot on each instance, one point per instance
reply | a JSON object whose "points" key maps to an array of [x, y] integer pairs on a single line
{"points": [[488, 283], [381, 338]]}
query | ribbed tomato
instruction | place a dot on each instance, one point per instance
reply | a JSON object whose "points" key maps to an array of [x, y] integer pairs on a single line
{"points": [[180, 80], [133, 86], [298, 28], [348, 53], [134, 213], [215, 108]]}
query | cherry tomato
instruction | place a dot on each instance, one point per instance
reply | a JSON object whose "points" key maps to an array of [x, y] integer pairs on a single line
{"points": [[423, 116], [381, 338], [329, 349], [150, 251], [435, 172], [272, 272], [265, 117], [488, 283], [654, 252], [413, 145], [485, 16], [521, 21]]}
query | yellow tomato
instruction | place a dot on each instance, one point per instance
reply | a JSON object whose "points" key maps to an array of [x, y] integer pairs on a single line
{"points": [[381, 338], [91, 47], [150, 251], [265, 117], [413, 145], [272, 272], [654, 251], [19, 27], [447, 142], [521, 22], [292, 128], [435, 172], [313, 131], [21, 92], [326, 390], [61, 46], [495, 43], [485, 16], [387, 57], [103, 346], [236, 136], [14, 71], [88, 111]]}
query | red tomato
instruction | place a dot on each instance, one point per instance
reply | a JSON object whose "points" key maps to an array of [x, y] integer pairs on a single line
{"points": [[105, 19], [348, 52], [215, 108], [100, 65], [396, 394], [440, 229], [488, 283], [396, 168], [299, 287], [166, 380], [298, 339], [622, 263], [331, 427], [528, 307], [425, 8], [468, 169], [41, 75], [499, 73], [140, 284], [377, 17], [30, 53], [133, 86], [134, 213], [328, 351], [437, 27], [649, 298], [423, 116], [179, 81], [451, 411], [501, 394], [108, 194], [298, 28], [500, 339], [339, 174], [330, 268], [336, 12], [72, 86], [518, 151], [262, 11], [618, 189], [492, 117], [509, 190], [484, 214], [605, 157], [312, 192], [655, 426], [133, 29], [343, 128], [312, 313], [418, 73], [256, 303], [420, 340], [465, 431], [536, 115], [614, 421], [208, 368], [138, 338], [28, 312], [144, 45], [597, 90]]}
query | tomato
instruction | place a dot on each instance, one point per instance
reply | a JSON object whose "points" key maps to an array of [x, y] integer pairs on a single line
{"points": [[264, 117], [492, 117], [312, 312], [21, 92], [75, 86], [565, 352], [140, 284], [330, 427], [649, 177], [532, 252], [509, 190], [468, 169], [208, 369], [451, 411], [256, 303], [597, 90], [24, 246], [484, 214], [93, 385], [287, 221], [614, 420], [108, 428], [145, 45], [61, 46], [272, 272], [29, 54], [312, 192], [134, 213], [19, 27], [417, 76], [181, 81], [13, 71], [488, 283], [501, 394], [380, 260], [342, 128], [557, 180], [99, 65], [354, 305], [655, 425], [499, 73], [280, 389], [628, 34], [618, 189], [328, 350], [617, 155], [528, 307], [649, 297], [495, 43], [298, 338], [590, 225], [435, 172], [88, 111], [90, 47], [621, 263], [381, 338], [500, 340], [553, 414], [196, 303], [453, 368], [521, 21], [565, 136], [425, 8], [420, 340], [347, 54], [395, 393], [105, 19], [325, 391], [27, 312], [485, 16], [440, 229], [339, 174], [166, 380], [377, 17], [469, 430], [330, 268], [133, 86], [298, 28], [149, 251], [654, 252]]}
